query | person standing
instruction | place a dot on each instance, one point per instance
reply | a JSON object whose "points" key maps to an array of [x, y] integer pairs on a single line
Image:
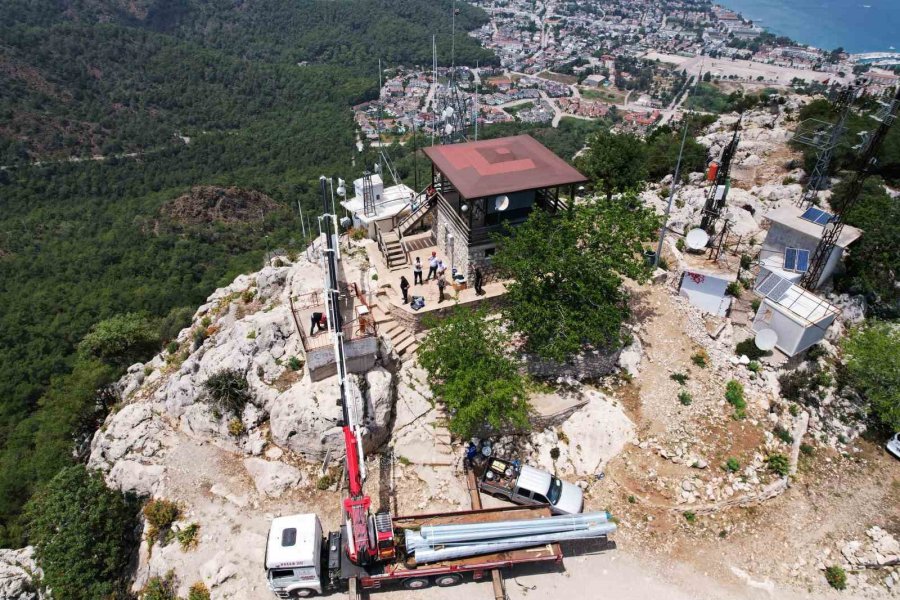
{"points": [[478, 280], [404, 287], [441, 283], [441, 269], [432, 266], [417, 272]]}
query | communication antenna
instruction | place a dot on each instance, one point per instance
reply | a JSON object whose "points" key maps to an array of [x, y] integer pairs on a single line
{"points": [[718, 193], [766, 339], [824, 137], [867, 161], [696, 239]]}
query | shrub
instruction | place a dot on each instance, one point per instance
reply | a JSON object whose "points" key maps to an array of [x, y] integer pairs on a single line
{"points": [[754, 304], [188, 538], [679, 244], [554, 453], [807, 449], [732, 465], [161, 588], [805, 385], [251, 335], [734, 289], [873, 370], [277, 263], [160, 515], [794, 410], [236, 427], [172, 347], [357, 233], [749, 349], [815, 352], [779, 464], [121, 340], [679, 377], [690, 516], [324, 482], [700, 358], [754, 366], [229, 390], [198, 591], [734, 395], [294, 363], [836, 577], [746, 261], [205, 322], [248, 295], [784, 435], [632, 500], [199, 337], [75, 512], [177, 319], [685, 398]]}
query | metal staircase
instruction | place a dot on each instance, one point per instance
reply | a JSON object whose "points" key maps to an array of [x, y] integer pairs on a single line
{"points": [[418, 207], [392, 249]]}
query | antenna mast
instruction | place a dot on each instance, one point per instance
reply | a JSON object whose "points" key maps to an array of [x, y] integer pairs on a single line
{"points": [[832, 231], [718, 193]]}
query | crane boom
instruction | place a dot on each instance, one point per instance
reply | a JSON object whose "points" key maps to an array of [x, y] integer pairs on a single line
{"points": [[360, 547]]}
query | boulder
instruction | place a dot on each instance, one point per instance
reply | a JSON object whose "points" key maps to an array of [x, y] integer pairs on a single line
{"points": [[19, 574], [630, 357], [272, 478]]}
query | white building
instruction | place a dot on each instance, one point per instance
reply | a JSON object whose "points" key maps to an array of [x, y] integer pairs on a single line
{"points": [[798, 317], [794, 233], [387, 204]]}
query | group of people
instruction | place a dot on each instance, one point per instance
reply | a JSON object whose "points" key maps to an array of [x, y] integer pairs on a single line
{"points": [[438, 270]]}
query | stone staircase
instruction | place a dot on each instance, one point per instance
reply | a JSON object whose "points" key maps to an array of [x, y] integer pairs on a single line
{"points": [[394, 255], [402, 340]]}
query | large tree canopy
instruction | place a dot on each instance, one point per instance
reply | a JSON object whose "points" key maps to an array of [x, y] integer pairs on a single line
{"points": [[872, 355], [615, 161], [83, 534], [469, 370], [566, 274]]}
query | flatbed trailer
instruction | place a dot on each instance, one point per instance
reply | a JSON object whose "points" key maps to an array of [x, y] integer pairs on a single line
{"points": [[410, 575]]}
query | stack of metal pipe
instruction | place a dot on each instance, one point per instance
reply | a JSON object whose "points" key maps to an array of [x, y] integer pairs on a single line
{"points": [[434, 543]]}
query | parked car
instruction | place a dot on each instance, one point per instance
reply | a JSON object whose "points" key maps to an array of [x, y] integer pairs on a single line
{"points": [[893, 445], [526, 485]]}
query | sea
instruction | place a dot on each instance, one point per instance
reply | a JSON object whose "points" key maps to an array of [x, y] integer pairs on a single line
{"points": [[856, 25]]}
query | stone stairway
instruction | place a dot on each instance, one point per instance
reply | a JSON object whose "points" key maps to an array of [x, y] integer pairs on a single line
{"points": [[394, 254], [402, 340]]}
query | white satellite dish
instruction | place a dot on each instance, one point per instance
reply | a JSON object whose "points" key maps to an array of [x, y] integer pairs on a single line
{"points": [[447, 112], [766, 339], [448, 129], [501, 203], [696, 239]]}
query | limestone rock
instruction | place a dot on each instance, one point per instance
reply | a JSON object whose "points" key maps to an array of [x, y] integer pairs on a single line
{"points": [[18, 574], [272, 478]]}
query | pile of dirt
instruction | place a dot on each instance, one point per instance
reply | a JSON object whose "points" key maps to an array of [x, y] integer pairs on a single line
{"points": [[210, 204]]}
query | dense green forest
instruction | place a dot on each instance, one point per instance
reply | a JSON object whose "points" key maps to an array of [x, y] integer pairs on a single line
{"points": [[262, 90]]}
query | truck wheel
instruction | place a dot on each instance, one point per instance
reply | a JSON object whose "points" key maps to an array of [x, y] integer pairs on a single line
{"points": [[416, 583], [303, 593], [447, 580]]}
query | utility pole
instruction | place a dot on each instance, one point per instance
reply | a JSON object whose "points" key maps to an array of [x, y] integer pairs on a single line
{"points": [[675, 184]]}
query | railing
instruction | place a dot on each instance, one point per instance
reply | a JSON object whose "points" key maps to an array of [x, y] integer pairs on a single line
{"points": [[453, 215], [418, 201], [381, 245]]}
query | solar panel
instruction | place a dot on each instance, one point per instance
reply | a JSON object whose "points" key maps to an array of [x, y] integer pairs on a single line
{"points": [[774, 287], [766, 285], [780, 290], [816, 215], [790, 258], [803, 260]]}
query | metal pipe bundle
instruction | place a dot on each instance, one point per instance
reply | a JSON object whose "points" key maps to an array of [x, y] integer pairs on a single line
{"points": [[430, 536], [445, 542], [490, 547]]}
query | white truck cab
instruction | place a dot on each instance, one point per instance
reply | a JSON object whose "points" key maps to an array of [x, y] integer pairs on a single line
{"points": [[294, 556]]}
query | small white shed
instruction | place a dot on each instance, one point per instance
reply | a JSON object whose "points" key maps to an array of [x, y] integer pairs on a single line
{"points": [[797, 316], [707, 291]]}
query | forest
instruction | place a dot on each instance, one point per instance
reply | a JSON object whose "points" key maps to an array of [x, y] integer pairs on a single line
{"points": [[172, 95]]}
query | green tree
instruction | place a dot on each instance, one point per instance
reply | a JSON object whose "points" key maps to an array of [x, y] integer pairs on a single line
{"points": [[121, 340], [614, 161], [872, 360], [873, 263], [566, 274], [83, 535], [663, 146], [470, 371]]}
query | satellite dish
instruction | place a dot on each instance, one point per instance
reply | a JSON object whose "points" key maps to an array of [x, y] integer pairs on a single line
{"points": [[378, 167], [501, 203], [342, 188], [447, 112], [766, 339], [696, 239], [448, 128]]}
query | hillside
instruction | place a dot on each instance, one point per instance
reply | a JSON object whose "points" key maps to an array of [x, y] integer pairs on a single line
{"points": [[165, 96]]}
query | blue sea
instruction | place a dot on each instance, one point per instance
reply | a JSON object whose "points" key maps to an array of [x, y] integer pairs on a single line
{"points": [[857, 25]]}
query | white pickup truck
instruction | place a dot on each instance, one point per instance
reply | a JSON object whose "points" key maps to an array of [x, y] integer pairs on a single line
{"points": [[527, 485]]}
